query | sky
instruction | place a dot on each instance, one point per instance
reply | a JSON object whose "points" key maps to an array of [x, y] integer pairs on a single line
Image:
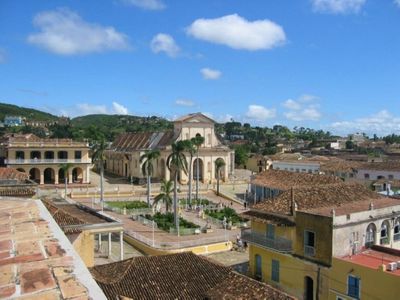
{"points": [[325, 64]]}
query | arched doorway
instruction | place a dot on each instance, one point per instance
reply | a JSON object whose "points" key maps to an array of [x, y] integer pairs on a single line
{"points": [[34, 175], [201, 171], [61, 176], [77, 175], [36, 155], [370, 235], [221, 170], [49, 176], [308, 288], [162, 168], [49, 155], [385, 230]]}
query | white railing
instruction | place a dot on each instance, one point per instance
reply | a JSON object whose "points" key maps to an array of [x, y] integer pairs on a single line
{"points": [[46, 161], [175, 245]]}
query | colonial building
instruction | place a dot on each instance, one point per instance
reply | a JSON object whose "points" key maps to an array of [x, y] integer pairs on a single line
{"points": [[332, 241], [123, 157], [41, 158]]}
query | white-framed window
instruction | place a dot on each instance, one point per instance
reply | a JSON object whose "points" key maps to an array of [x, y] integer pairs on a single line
{"points": [[396, 230], [270, 231], [385, 233], [353, 286], [309, 243]]}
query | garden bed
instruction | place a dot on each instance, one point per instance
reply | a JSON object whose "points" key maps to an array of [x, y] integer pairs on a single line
{"points": [[166, 222], [127, 204], [227, 212]]}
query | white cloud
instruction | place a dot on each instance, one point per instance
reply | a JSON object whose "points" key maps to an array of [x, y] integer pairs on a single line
{"points": [[90, 109], [260, 113], [119, 109], [302, 109], [64, 32], [381, 123], [397, 2], [210, 74], [184, 102], [238, 33], [146, 4], [2, 56], [338, 6], [164, 43]]}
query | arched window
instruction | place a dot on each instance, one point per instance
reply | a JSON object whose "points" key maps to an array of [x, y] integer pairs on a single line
{"points": [[396, 236], [370, 235], [385, 233]]}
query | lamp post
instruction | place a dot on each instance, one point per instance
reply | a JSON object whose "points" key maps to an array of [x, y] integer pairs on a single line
{"points": [[224, 224]]}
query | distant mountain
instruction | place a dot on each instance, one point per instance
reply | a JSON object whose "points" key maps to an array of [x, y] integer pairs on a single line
{"points": [[28, 113]]}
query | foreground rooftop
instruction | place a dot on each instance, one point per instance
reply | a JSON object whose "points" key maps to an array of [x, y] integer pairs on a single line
{"points": [[36, 259]]}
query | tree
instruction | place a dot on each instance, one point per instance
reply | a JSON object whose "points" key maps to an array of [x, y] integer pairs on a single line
{"points": [[176, 162], [65, 168], [219, 163], [197, 142], [349, 144], [241, 155], [98, 158], [191, 148], [165, 195], [147, 168]]}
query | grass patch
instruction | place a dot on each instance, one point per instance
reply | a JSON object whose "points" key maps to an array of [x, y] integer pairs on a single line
{"points": [[198, 202], [165, 221], [127, 204], [227, 212]]}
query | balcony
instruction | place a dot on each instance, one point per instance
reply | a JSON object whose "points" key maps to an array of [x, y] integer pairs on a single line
{"points": [[46, 161], [278, 244]]}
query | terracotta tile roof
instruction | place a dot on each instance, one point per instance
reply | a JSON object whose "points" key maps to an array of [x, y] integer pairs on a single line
{"points": [[142, 140], [36, 259], [340, 165], [239, 287], [12, 174], [381, 166], [264, 217], [315, 198], [175, 276], [284, 180]]}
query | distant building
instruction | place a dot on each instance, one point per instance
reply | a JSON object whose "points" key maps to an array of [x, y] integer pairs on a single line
{"points": [[16, 184], [123, 157], [13, 121], [257, 163], [301, 166], [320, 242], [41, 158], [379, 170]]}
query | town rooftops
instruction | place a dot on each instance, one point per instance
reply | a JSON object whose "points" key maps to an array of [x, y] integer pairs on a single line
{"points": [[143, 140], [16, 184], [32, 141], [342, 197], [178, 276], [36, 259], [339, 165], [375, 257], [381, 166], [284, 180]]}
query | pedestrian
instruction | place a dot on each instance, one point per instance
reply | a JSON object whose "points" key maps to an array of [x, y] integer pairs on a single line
{"points": [[237, 239], [245, 204], [231, 203]]}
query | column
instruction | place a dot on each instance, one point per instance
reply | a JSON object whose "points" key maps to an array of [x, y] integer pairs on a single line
{"points": [[70, 176], [109, 245], [55, 177], [41, 176], [99, 238], [121, 244], [377, 237]]}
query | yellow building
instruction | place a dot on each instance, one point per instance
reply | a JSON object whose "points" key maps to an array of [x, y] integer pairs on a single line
{"points": [[123, 157], [301, 241], [41, 158]]}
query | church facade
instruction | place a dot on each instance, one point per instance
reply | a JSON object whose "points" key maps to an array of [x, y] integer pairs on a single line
{"points": [[123, 157]]}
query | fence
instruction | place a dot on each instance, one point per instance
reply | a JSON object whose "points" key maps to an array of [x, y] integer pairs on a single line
{"points": [[145, 221], [184, 231], [176, 245]]}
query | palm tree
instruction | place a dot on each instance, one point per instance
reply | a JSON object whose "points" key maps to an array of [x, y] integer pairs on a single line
{"points": [[98, 158], [65, 168], [219, 163], [165, 195], [147, 168], [176, 162], [190, 147], [197, 141]]}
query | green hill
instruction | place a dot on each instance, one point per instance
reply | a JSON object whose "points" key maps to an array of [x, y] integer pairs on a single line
{"points": [[28, 113]]}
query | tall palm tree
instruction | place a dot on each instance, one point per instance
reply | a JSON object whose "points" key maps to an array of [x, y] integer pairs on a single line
{"points": [[197, 141], [176, 162], [190, 147], [147, 168], [65, 168], [219, 163], [98, 158], [165, 195]]}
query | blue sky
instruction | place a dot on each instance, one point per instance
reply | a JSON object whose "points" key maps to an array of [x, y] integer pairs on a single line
{"points": [[326, 64]]}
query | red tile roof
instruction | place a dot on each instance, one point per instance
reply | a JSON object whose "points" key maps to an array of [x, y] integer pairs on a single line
{"points": [[142, 140], [284, 180], [10, 173], [178, 276]]}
